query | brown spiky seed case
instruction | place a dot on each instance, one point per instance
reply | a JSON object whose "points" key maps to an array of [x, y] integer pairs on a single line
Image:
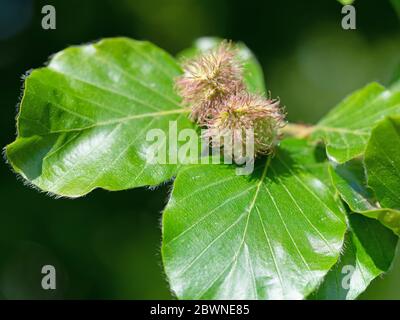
{"points": [[244, 111], [208, 79], [212, 86]]}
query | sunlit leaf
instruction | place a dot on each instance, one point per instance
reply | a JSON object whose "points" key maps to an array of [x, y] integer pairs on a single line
{"points": [[346, 129], [271, 235], [83, 119]]}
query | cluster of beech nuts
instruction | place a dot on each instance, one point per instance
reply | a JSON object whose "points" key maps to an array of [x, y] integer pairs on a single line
{"points": [[212, 86]]}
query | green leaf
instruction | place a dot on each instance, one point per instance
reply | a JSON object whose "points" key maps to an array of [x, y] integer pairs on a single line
{"points": [[271, 235], [350, 181], [346, 128], [83, 119], [368, 252], [252, 71], [382, 161]]}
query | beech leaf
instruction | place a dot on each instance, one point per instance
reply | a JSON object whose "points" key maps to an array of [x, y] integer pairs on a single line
{"points": [[271, 235]]}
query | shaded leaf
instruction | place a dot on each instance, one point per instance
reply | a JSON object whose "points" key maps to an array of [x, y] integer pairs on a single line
{"points": [[350, 181], [271, 235], [382, 161], [346, 128], [368, 252], [83, 119]]}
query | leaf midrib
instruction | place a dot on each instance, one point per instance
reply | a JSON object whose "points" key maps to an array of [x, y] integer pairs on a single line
{"points": [[252, 204], [117, 120]]}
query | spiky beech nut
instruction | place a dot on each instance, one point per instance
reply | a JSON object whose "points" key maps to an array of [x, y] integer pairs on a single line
{"points": [[208, 79], [241, 113]]}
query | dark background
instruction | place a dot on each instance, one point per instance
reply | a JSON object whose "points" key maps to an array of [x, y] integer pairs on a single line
{"points": [[107, 245]]}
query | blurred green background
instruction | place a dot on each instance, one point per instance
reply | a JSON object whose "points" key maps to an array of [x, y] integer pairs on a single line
{"points": [[107, 245]]}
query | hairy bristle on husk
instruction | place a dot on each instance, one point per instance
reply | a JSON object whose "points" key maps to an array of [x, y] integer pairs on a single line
{"points": [[244, 111], [212, 86], [208, 79]]}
